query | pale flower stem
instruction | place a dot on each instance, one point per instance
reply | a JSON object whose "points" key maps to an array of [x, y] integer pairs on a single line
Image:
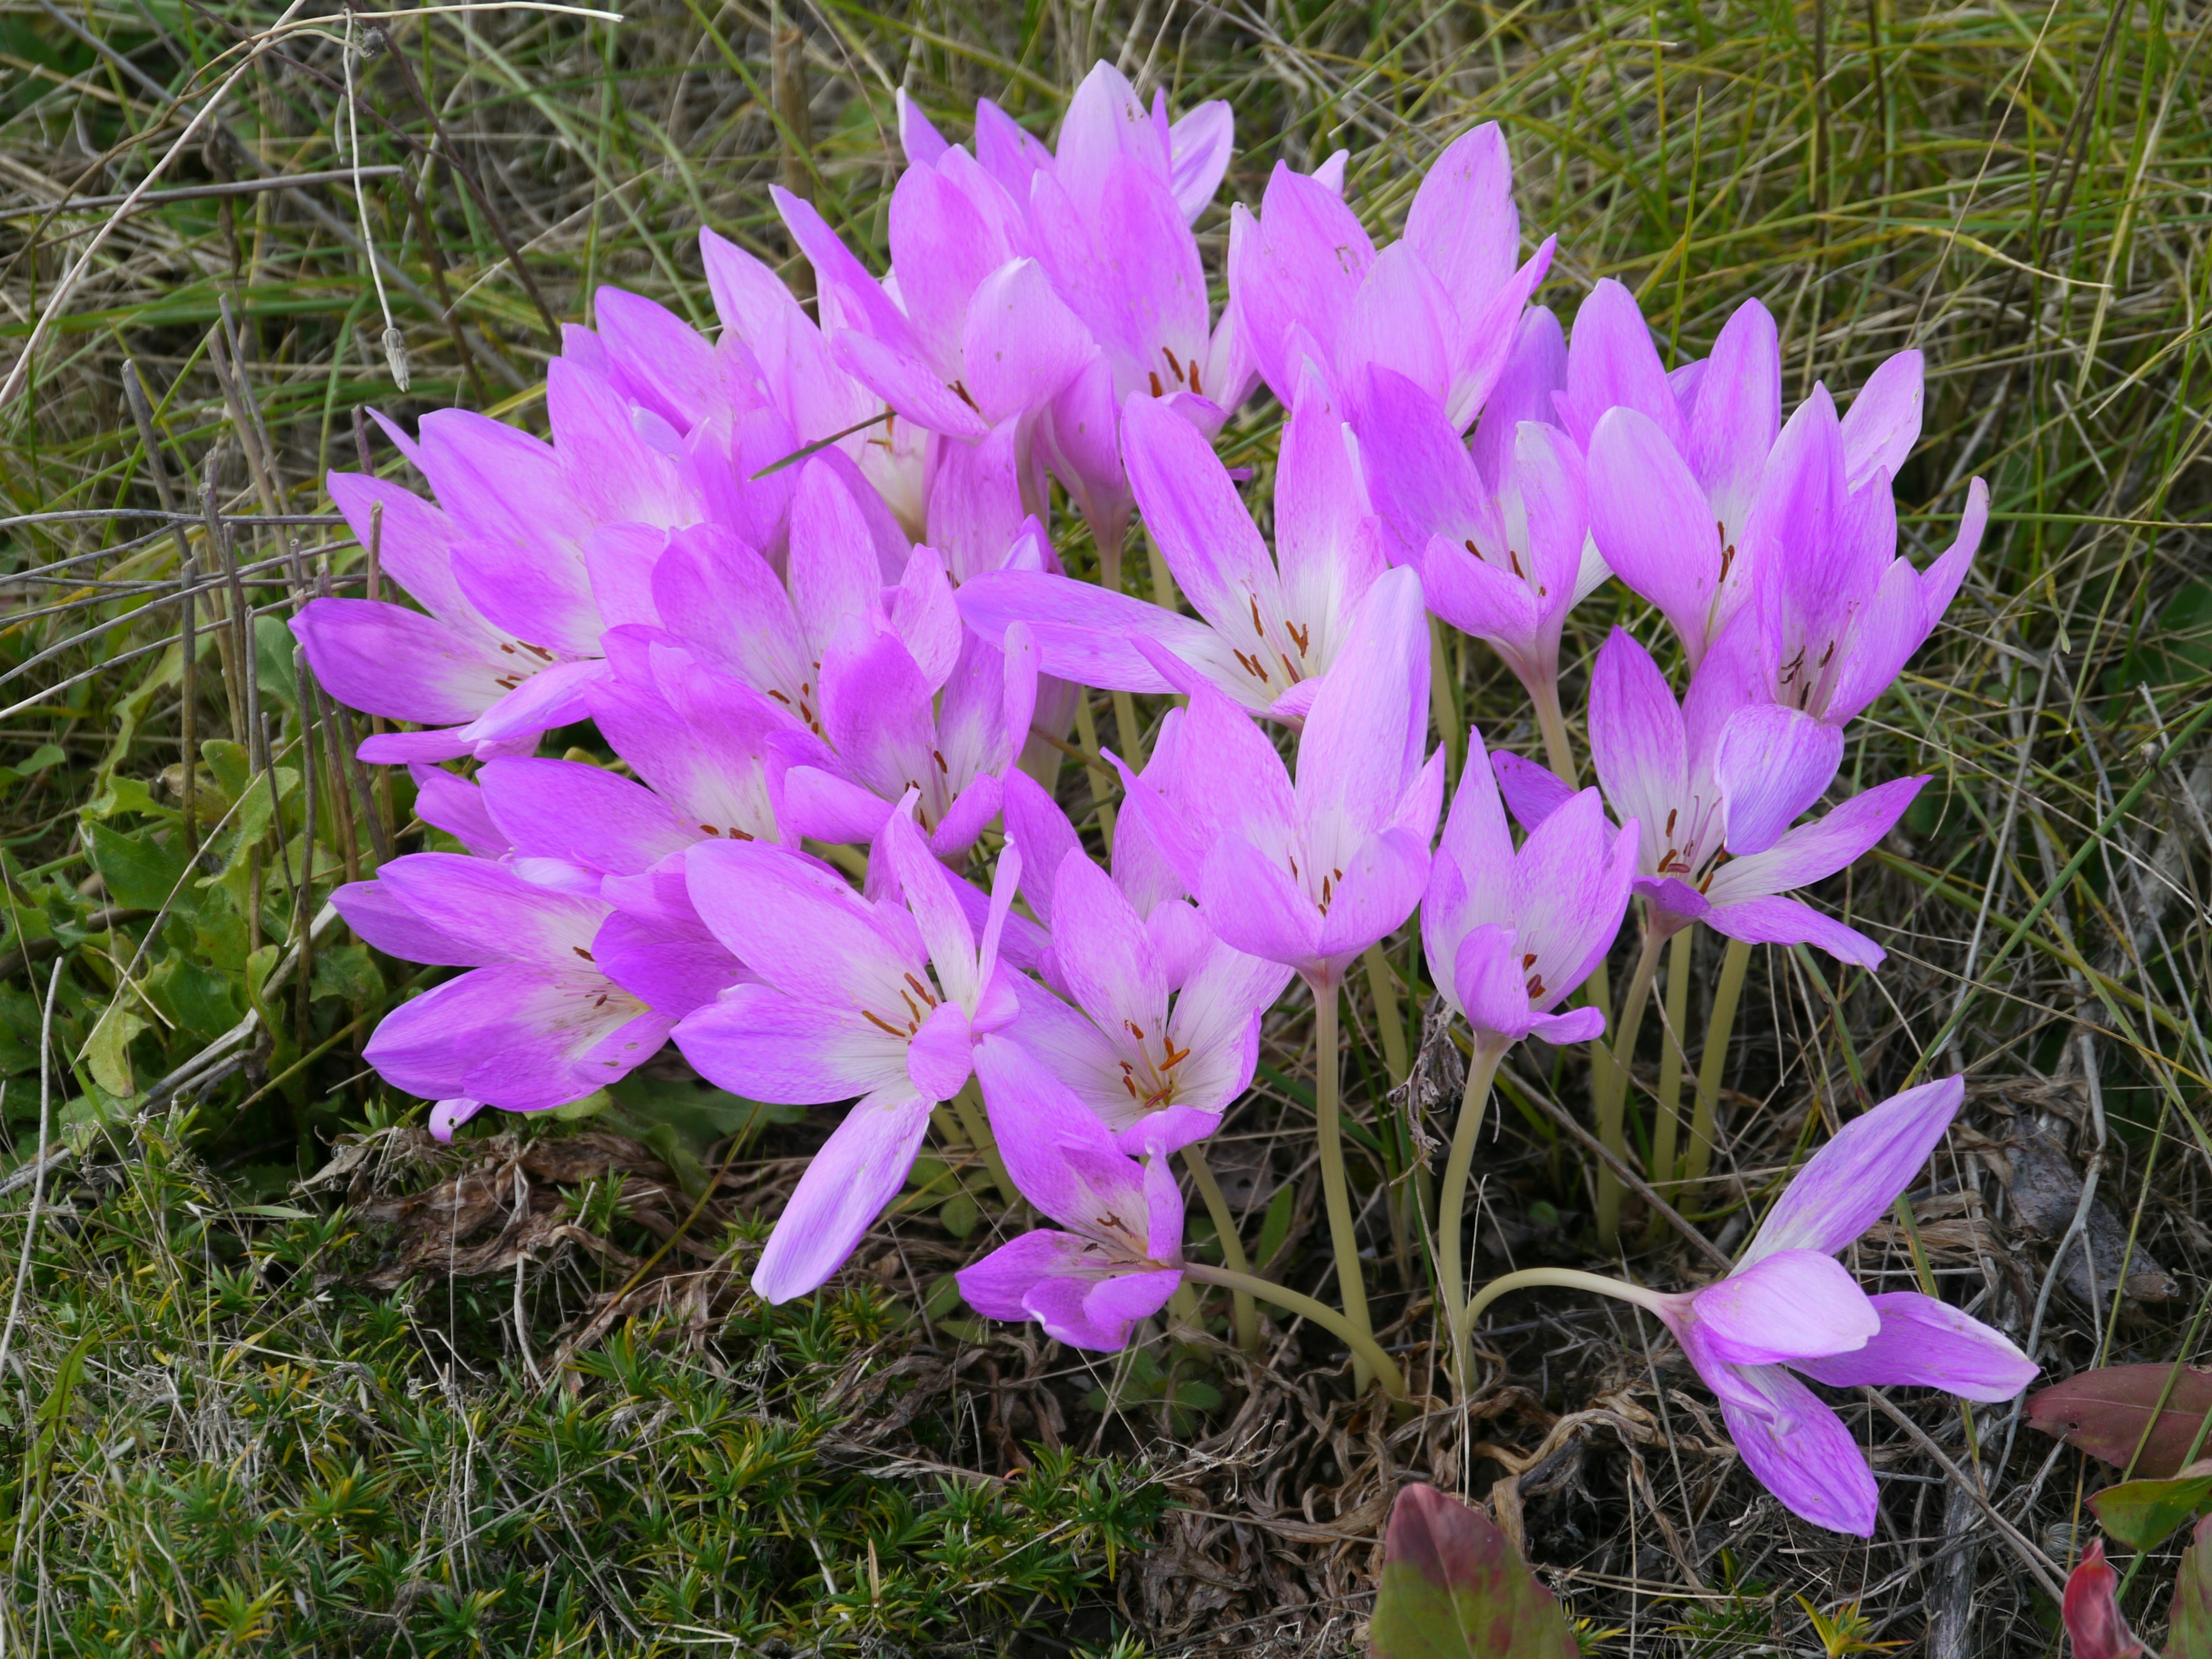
{"points": [[1102, 788], [1245, 1316], [1452, 1201], [1666, 1127], [1565, 1278], [1328, 1130], [1368, 1356], [1444, 707], [1163, 587], [1551, 721], [968, 1103], [1613, 1086], [1128, 736], [1714, 1060], [1382, 986]]}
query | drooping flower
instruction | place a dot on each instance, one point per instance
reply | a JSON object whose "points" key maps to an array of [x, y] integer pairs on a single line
{"points": [[536, 1023], [1509, 934], [1309, 874], [1271, 627], [879, 998], [1788, 1305], [1442, 306], [1121, 1258], [1715, 789]]}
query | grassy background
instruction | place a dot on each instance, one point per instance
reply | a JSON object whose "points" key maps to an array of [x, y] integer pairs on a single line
{"points": [[230, 1421]]}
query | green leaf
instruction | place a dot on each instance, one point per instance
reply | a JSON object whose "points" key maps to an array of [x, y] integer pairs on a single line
{"points": [[2189, 1630], [699, 1114], [45, 755], [108, 1054], [141, 871], [122, 795], [273, 649], [1275, 1228], [2143, 1514], [1453, 1586], [958, 1215], [204, 1003], [347, 972], [228, 763]]}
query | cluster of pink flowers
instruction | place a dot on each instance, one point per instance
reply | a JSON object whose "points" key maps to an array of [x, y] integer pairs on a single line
{"points": [[802, 578]]}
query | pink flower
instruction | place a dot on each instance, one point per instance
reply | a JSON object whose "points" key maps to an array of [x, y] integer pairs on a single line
{"points": [[1309, 874], [1787, 1306], [1271, 626], [1510, 935], [880, 999], [1715, 785], [1121, 1258], [1441, 306]]}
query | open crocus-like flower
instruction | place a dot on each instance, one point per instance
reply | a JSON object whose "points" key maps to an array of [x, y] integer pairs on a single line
{"points": [[1675, 463], [1272, 627], [1715, 791], [1502, 558], [847, 1007], [1789, 1306], [537, 1023], [971, 333], [1157, 1075], [1121, 1258], [1309, 874], [1442, 306], [1511, 934], [1839, 611]]}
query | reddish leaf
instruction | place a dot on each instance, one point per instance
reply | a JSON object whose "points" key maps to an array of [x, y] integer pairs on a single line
{"points": [[2094, 1623], [1454, 1587], [2189, 1631], [2104, 1411]]}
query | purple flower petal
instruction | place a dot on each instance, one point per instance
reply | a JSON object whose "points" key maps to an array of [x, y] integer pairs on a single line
{"points": [[1854, 1179], [1928, 1344], [859, 1170], [1786, 1305]]}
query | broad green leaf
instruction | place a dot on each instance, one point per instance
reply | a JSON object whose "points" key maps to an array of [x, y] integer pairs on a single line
{"points": [[2142, 1514], [2106, 1411], [2189, 1628], [1453, 1586], [347, 972], [108, 1053], [273, 649], [45, 755], [204, 1003], [141, 871], [228, 763]]}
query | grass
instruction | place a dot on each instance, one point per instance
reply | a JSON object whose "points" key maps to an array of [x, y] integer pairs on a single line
{"points": [[2020, 193]]}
